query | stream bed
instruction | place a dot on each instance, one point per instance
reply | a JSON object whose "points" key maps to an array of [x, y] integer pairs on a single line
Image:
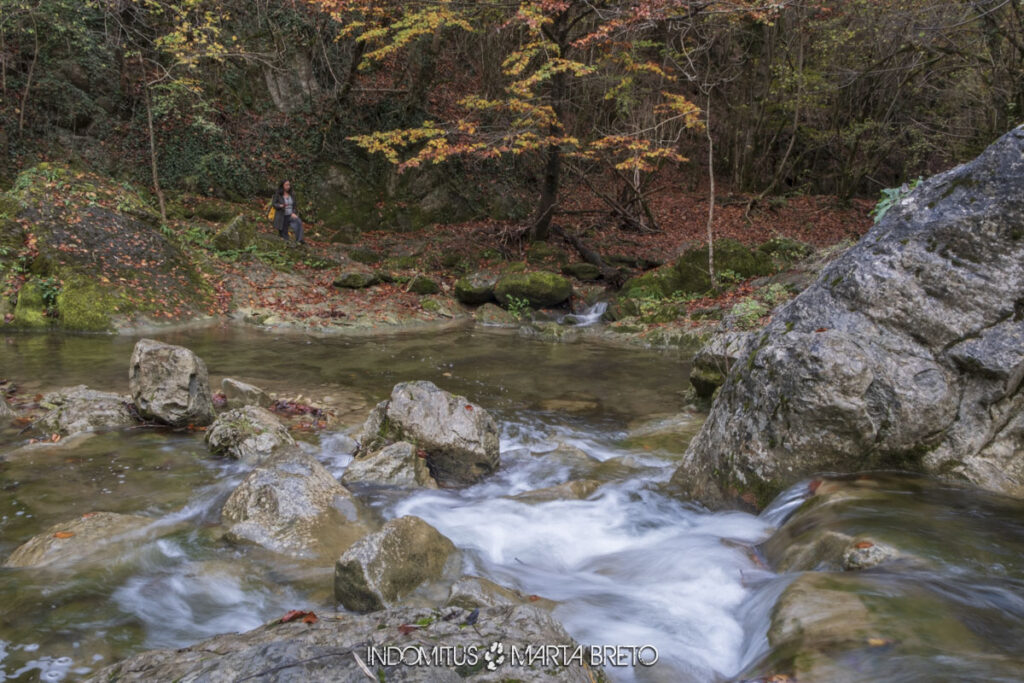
{"points": [[627, 566]]}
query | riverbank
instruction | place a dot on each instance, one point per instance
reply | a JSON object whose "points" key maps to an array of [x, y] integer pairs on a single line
{"points": [[81, 253]]}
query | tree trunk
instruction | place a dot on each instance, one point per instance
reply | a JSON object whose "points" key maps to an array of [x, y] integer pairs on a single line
{"points": [[28, 79], [711, 194], [152, 147], [553, 165]]}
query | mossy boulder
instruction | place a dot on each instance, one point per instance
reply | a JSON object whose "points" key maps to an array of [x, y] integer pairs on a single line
{"points": [[582, 271], [355, 279], [539, 288], [475, 289], [489, 314], [785, 251], [31, 309], [542, 252], [422, 285], [85, 307], [236, 235], [689, 274]]}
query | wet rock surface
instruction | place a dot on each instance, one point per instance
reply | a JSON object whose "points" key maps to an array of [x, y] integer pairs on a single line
{"points": [[170, 384], [76, 540], [250, 434], [81, 409], [904, 354]]}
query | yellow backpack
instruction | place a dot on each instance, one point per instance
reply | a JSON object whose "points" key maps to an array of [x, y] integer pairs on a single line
{"points": [[272, 213]]}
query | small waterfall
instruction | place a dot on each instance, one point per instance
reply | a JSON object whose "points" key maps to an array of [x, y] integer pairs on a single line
{"points": [[590, 315]]}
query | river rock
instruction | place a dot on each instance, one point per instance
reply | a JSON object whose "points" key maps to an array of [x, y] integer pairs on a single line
{"points": [[712, 363], [337, 647], [906, 353], [489, 314], [355, 279], [395, 465], [238, 394], [75, 539], [250, 434], [81, 409], [6, 412], [475, 289], [459, 438], [384, 567], [539, 288], [470, 592], [292, 505], [577, 489], [170, 384]]}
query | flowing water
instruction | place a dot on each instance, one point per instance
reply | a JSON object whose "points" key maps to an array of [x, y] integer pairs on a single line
{"points": [[627, 566]]}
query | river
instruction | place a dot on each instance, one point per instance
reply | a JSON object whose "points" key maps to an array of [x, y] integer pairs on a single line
{"points": [[627, 565]]}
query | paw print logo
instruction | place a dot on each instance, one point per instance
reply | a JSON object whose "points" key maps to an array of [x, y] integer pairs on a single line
{"points": [[495, 656]]}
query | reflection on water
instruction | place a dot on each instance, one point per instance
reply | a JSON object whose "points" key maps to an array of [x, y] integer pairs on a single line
{"points": [[627, 565]]}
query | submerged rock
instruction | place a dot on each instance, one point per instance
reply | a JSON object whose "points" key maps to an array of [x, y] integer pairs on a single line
{"points": [[577, 489], [394, 465], [384, 567], [76, 539], [459, 438], [338, 647], [250, 434], [81, 409], [489, 314], [907, 353], [238, 394], [293, 505], [170, 384]]}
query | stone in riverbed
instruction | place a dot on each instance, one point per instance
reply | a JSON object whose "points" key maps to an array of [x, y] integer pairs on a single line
{"points": [[292, 505], [394, 465], [76, 539], [489, 314], [250, 434], [577, 489], [712, 363], [459, 438], [238, 394], [471, 592], [905, 354], [170, 384], [334, 648], [385, 567], [81, 409]]}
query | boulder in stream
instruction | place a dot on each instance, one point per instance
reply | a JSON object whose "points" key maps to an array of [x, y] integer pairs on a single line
{"points": [[250, 434], [458, 438], [397, 464], [81, 409], [293, 505], [907, 353], [384, 567], [170, 384], [74, 540], [6, 412], [343, 647]]}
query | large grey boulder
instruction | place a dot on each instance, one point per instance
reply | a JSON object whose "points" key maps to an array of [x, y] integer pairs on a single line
{"points": [[385, 567], [337, 647], [250, 434], [398, 464], [906, 353], [458, 438], [292, 505], [81, 409], [170, 384], [90, 536]]}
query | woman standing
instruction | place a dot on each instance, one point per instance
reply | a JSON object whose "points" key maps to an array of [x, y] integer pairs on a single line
{"points": [[285, 216]]}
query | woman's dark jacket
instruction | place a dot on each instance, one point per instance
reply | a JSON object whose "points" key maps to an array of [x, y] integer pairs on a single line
{"points": [[280, 219]]}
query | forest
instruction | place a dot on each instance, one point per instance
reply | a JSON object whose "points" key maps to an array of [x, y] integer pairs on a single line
{"points": [[621, 100]]}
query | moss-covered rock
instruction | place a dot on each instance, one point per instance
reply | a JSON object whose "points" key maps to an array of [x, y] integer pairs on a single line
{"points": [[489, 314], [582, 271], [236, 235], [542, 252], [689, 274], [785, 250], [422, 285], [539, 288], [355, 280], [31, 309], [84, 307], [213, 210], [475, 289]]}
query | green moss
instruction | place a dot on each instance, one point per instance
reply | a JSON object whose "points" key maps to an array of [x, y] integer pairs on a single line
{"points": [[364, 255], [785, 250], [539, 288], [582, 271], [30, 311], [9, 206], [84, 307], [422, 285], [430, 305]]}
